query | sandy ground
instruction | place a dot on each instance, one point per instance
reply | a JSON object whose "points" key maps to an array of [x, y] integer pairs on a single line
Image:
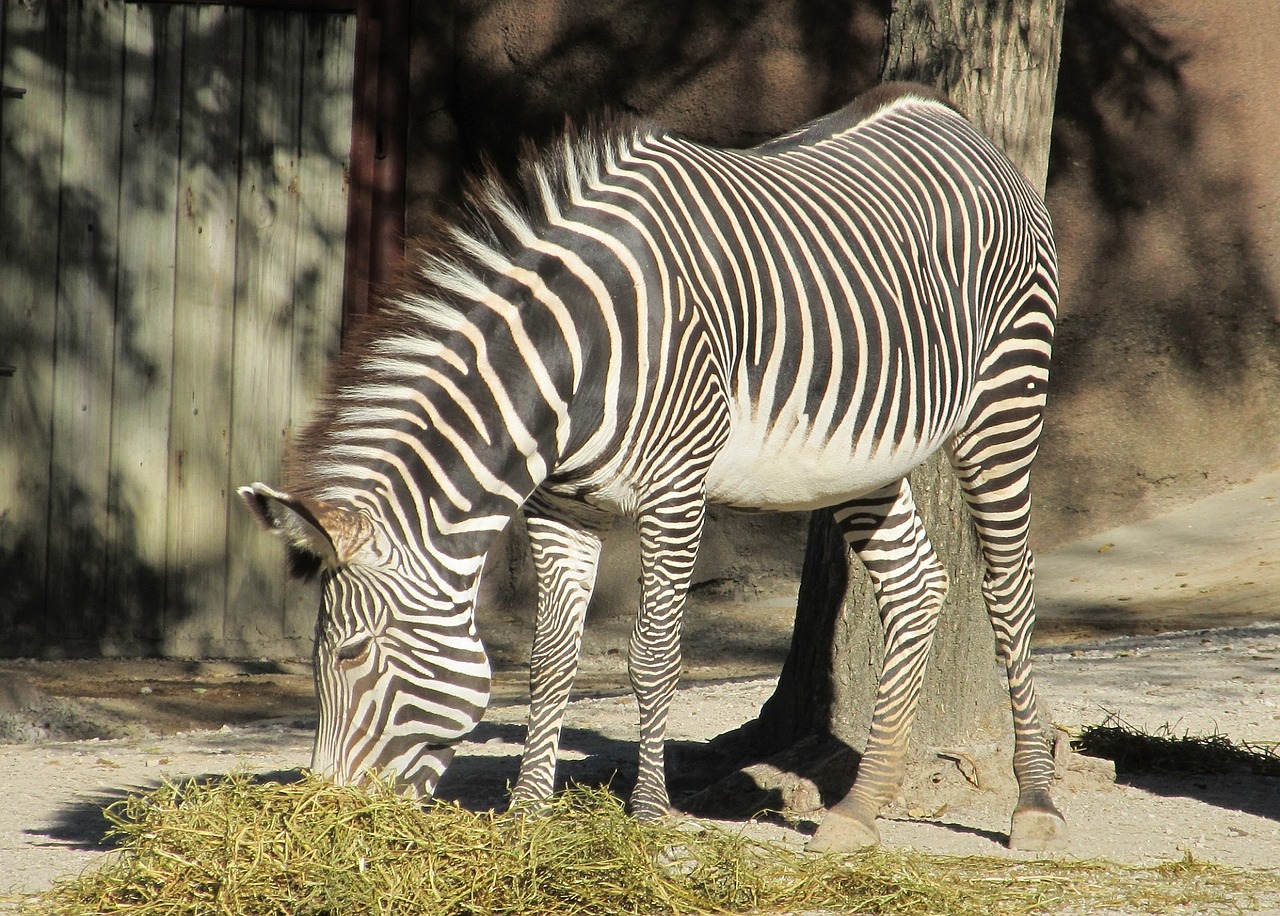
{"points": [[1196, 593]]}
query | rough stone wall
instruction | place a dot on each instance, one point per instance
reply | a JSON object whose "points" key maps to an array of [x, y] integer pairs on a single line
{"points": [[1162, 186]]}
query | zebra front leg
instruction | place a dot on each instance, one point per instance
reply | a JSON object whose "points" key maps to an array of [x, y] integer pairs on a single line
{"points": [[886, 533], [565, 539], [669, 536]]}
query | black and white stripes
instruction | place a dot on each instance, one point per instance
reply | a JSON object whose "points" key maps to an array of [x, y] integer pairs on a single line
{"points": [[648, 324]]}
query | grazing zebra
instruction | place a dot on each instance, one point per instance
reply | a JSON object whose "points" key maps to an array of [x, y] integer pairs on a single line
{"points": [[649, 324]]}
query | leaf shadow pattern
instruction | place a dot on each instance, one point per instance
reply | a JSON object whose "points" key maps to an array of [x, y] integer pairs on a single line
{"points": [[136, 127], [1168, 347], [718, 70]]}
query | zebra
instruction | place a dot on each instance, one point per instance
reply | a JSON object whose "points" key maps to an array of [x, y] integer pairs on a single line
{"points": [[644, 324]]}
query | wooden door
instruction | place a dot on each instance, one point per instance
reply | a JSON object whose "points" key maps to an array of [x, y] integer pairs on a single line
{"points": [[173, 205]]}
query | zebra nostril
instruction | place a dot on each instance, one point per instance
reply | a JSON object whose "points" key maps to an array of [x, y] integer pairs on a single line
{"points": [[354, 651]]}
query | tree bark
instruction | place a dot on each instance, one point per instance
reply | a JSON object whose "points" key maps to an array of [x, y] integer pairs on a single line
{"points": [[998, 61]]}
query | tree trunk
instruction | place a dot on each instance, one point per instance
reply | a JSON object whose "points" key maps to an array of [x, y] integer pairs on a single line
{"points": [[997, 60]]}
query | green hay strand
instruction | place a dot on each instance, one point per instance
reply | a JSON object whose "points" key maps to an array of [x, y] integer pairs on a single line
{"points": [[239, 847]]}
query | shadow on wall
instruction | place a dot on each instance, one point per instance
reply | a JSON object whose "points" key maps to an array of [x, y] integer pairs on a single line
{"points": [[1167, 365], [718, 70], [1168, 361], [1165, 381], [163, 310], [101, 597]]}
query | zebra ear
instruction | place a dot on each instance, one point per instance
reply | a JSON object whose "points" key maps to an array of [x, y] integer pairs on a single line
{"points": [[330, 533]]}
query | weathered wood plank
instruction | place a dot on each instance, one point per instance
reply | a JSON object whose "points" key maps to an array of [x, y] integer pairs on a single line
{"points": [[326, 152], [30, 160], [198, 302], [202, 340], [136, 562], [266, 246], [85, 326]]}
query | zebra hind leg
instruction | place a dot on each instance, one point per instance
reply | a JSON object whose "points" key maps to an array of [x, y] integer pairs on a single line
{"points": [[885, 531], [565, 539], [999, 499]]}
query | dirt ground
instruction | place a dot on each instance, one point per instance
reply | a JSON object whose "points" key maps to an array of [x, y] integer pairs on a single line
{"points": [[1172, 623]]}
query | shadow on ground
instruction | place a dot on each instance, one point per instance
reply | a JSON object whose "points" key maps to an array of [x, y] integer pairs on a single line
{"points": [[85, 824], [1207, 768]]}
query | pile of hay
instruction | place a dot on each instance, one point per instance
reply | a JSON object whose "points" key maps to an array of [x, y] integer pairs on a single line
{"points": [[240, 847], [1166, 752]]}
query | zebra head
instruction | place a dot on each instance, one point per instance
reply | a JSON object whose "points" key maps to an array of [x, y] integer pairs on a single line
{"points": [[400, 672]]}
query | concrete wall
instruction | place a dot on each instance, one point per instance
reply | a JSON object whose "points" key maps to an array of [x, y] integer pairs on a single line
{"points": [[1162, 186]]}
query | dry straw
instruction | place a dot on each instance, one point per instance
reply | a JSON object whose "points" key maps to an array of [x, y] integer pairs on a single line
{"points": [[241, 847], [1167, 752]]}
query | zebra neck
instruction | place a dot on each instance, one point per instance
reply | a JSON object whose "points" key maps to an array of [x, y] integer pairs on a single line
{"points": [[440, 441]]}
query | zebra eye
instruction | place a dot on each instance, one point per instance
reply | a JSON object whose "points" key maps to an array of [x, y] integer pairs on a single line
{"points": [[355, 651]]}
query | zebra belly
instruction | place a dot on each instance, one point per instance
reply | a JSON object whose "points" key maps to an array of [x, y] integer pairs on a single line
{"points": [[753, 472]]}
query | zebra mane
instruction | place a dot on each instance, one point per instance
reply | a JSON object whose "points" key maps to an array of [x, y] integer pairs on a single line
{"points": [[550, 179], [445, 271]]}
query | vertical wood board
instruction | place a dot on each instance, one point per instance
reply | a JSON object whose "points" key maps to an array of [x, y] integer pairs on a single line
{"points": [[136, 561], [30, 162], [204, 307], [328, 60], [85, 324], [267, 238]]}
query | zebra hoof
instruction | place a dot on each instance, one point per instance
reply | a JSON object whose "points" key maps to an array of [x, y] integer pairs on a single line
{"points": [[650, 809], [1037, 825], [841, 832]]}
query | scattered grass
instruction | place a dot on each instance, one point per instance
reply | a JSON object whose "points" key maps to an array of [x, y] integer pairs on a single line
{"points": [[240, 847], [1168, 753]]}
